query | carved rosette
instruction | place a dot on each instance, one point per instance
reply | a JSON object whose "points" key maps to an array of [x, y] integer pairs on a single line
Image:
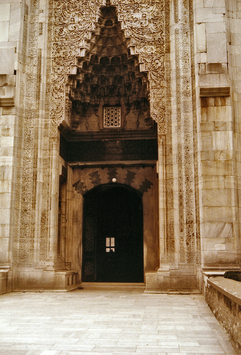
{"points": [[143, 26]]}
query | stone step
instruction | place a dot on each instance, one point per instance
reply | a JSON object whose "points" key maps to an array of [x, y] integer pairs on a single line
{"points": [[139, 285]]}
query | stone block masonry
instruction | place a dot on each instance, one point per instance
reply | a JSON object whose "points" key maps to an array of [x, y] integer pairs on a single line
{"points": [[172, 68], [224, 298]]}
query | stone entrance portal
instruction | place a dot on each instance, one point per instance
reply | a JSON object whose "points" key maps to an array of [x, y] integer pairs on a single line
{"points": [[113, 235], [108, 157], [143, 92]]}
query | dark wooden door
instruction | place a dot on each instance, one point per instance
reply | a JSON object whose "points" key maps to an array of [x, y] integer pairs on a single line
{"points": [[113, 235]]}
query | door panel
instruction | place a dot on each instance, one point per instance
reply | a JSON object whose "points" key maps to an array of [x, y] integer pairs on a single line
{"points": [[113, 213]]}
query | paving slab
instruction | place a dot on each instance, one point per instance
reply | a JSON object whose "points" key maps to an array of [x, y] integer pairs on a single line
{"points": [[110, 321]]}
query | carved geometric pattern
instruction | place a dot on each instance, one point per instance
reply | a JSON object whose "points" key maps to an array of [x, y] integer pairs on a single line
{"points": [[80, 187], [28, 158], [130, 176], [108, 74], [73, 24], [89, 242], [112, 117], [185, 158], [145, 186], [89, 268], [112, 173], [95, 178]]}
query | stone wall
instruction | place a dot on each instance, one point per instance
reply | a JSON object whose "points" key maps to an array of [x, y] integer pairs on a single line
{"points": [[224, 298], [234, 52], [218, 175], [10, 17]]}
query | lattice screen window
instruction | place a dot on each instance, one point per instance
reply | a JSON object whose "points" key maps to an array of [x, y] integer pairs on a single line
{"points": [[112, 117]]}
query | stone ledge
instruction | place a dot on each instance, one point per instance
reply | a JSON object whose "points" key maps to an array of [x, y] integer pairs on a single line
{"points": [[39, 279], [6, 95], [224, 299], [228, 287], [171, 281], [6, 101], [214, 92]]}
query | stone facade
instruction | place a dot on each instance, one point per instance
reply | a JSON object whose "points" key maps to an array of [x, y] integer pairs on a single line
{"points": [[173, 68]]}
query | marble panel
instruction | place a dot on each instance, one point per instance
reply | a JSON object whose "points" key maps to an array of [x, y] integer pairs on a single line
{"points": [[218, 214], [213, 3], [198, 4], [4, 247], [216, 48], [7, 141], [222, 140], [223, 126], [217, 230], [207, 126], [235, 25], [207, 155], [214, 27], [236, 39], [5, 200], [5, 186], [8, 1], [214, 80], [7, 121], [205, 15], [4, 215], [219, 10], [224, 155], [204, 114], [15, 17], [8, 44], [4, 12], [219, 257], [4, 230], [224, 114], [6, 57], [6, 160], [206, 141], [217, 197], [7, 131], [4, 29], [200, 37], [230, 182], [5, 172], [203, 57], [217, 168]]}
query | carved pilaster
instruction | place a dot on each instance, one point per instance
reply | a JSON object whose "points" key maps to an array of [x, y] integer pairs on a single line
{"points": [[184, 135]]}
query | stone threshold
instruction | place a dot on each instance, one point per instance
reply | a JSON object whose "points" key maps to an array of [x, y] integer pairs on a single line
{"points": [[112, 284], [174, 292]]}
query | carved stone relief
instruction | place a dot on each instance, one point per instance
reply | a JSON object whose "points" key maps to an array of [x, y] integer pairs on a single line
{"points": [[185, 157], [74, 23], [28, 112], [136, 177], [108, 77]]}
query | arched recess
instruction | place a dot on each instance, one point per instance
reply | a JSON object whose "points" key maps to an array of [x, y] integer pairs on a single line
{"points": [[113, 234], [81, 181], [108, 134]]}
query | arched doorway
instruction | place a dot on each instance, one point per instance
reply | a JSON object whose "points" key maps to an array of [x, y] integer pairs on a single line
{"points": [[113, 234]]}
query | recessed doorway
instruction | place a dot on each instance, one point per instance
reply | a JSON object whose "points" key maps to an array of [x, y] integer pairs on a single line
{"points": [[113, 234]]}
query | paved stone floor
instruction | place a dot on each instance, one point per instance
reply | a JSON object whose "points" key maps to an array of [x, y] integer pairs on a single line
{"points": [[109, 321]]}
